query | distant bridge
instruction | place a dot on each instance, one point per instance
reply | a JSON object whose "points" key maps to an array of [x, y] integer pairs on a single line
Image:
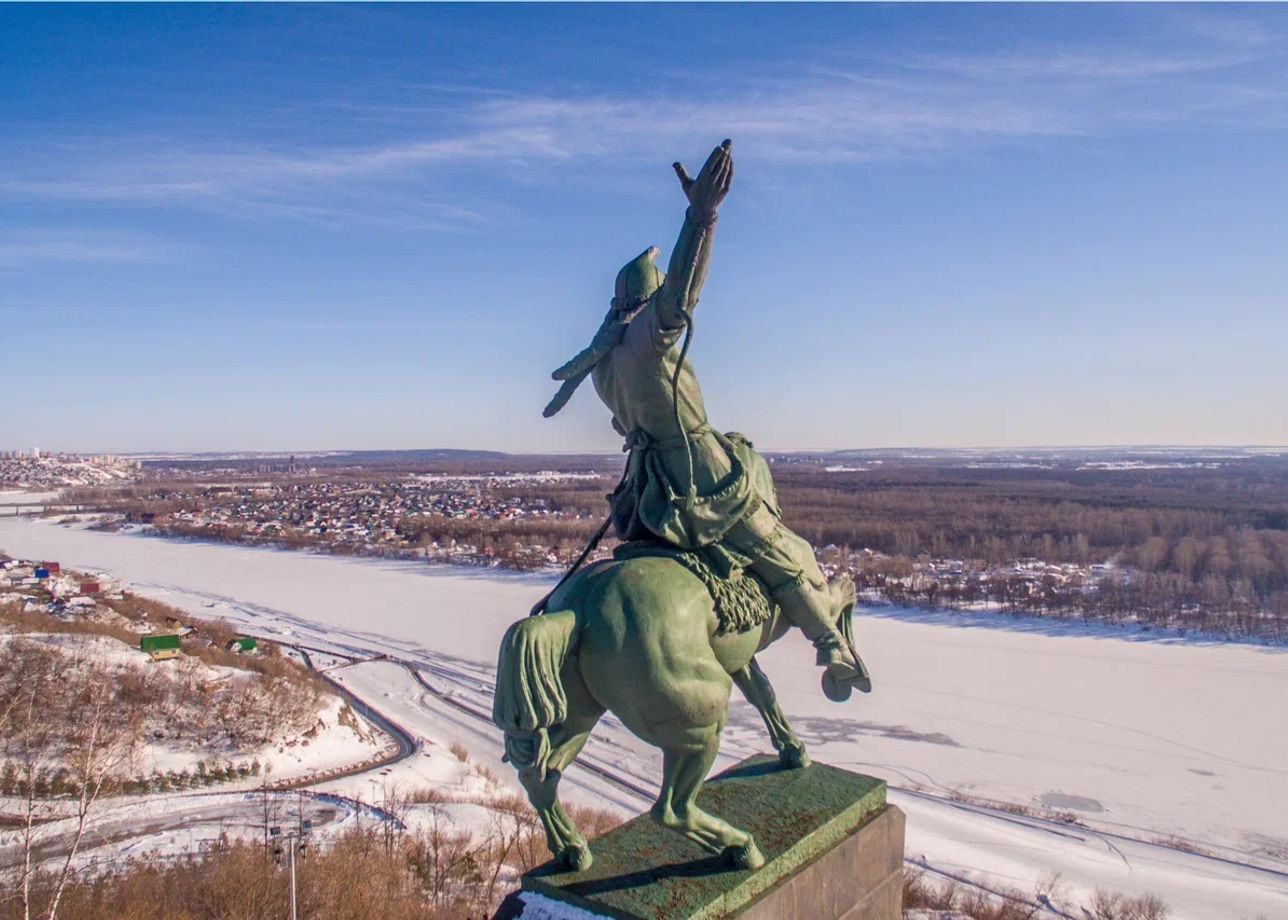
{"points": [[33, 508]]}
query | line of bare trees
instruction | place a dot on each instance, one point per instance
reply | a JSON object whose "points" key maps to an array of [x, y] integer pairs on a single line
{"points": [[439, 871]]}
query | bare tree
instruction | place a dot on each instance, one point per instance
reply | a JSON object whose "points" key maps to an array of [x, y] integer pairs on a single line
{"points": [[31, 678], [103, 741], [67, 733]]}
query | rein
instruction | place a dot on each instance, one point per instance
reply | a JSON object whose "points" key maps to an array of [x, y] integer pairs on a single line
{"points": [[540, 606]]}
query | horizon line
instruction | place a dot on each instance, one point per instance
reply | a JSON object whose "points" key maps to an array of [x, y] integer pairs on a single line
{"points": [[997, 448]]}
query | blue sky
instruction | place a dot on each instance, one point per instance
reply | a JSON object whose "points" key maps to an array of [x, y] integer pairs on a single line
{"points": [[311, 227]]}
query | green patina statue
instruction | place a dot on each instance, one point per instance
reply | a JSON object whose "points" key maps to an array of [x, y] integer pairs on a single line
{"points": [[707, 575]]}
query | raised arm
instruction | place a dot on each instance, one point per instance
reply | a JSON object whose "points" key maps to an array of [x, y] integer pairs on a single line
{"points": [[692, 253]]}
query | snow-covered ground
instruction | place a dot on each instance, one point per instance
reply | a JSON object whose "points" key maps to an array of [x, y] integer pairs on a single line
{"points": [[1146, 740], [333, 738]]}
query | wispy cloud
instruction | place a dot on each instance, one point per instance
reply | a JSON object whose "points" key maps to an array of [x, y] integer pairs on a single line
{"points": [[914, 107], [1111, 65], [45, 246], [1225, 28]]}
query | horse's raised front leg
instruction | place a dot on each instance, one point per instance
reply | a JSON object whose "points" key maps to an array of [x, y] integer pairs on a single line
{"points": [[759, 692], [683, 772], [541, 781]]}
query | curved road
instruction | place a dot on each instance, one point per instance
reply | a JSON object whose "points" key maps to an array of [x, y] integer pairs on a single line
{"points": [[134, 818]]}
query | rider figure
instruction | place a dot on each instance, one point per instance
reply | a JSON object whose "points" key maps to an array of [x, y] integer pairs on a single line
{"points": [[686, 484]]}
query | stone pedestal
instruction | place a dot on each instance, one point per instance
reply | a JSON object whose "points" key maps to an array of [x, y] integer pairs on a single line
{"points": [[833, 851]]}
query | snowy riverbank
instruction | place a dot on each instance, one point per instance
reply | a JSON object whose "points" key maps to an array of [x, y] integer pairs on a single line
{"points": [[1143, 741]]}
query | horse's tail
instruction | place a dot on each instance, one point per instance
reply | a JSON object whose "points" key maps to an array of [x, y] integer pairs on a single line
{"points": [[530, 696]]}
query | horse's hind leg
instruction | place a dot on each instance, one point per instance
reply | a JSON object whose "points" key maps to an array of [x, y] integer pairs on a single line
{"points": [[759, 692], [541, 782], [683, 771]]}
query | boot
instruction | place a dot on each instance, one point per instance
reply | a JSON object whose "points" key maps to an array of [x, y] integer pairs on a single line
{"points": [[817, 612]]}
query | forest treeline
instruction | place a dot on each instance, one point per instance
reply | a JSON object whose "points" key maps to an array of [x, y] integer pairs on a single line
{"points": [[1201, 546], [1206, 523], [1225, 523]]}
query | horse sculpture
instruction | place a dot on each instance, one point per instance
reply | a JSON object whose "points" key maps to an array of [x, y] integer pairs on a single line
{"points": [[640, 636]]}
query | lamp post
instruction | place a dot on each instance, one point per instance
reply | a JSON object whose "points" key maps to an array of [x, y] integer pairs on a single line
{"points": [[294, 839]]}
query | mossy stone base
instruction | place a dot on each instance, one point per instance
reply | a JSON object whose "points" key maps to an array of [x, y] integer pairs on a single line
{"points": [[798, 817]]}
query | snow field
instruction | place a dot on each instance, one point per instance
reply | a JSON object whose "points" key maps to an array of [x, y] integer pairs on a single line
{"points": [[1141, 739]]}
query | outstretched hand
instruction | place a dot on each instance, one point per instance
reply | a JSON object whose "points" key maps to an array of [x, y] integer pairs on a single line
{"points": [[709, 189]]}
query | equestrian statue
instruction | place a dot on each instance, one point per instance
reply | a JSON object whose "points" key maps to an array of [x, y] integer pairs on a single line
{"points": [[706, 574]]}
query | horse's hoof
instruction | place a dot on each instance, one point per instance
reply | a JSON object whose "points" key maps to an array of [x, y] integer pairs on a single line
{"points": [[576, 858], [747, 856], [793, 756], [836, 690]]}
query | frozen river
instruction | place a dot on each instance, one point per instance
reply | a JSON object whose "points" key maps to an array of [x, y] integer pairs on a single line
{"points": [[1145, 740]]}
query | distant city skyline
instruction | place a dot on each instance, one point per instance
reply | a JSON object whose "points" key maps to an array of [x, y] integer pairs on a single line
{"points": [[301, 228]]}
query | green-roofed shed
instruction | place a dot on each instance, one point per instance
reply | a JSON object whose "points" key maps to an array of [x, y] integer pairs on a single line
{"points": [[160, 646]]}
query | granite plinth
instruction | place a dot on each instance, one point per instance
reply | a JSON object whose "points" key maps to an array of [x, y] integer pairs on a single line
{"points": [[833, 851]]}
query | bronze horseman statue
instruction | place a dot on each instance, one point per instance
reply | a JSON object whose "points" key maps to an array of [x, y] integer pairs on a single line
{"points": [[706, 576]]}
